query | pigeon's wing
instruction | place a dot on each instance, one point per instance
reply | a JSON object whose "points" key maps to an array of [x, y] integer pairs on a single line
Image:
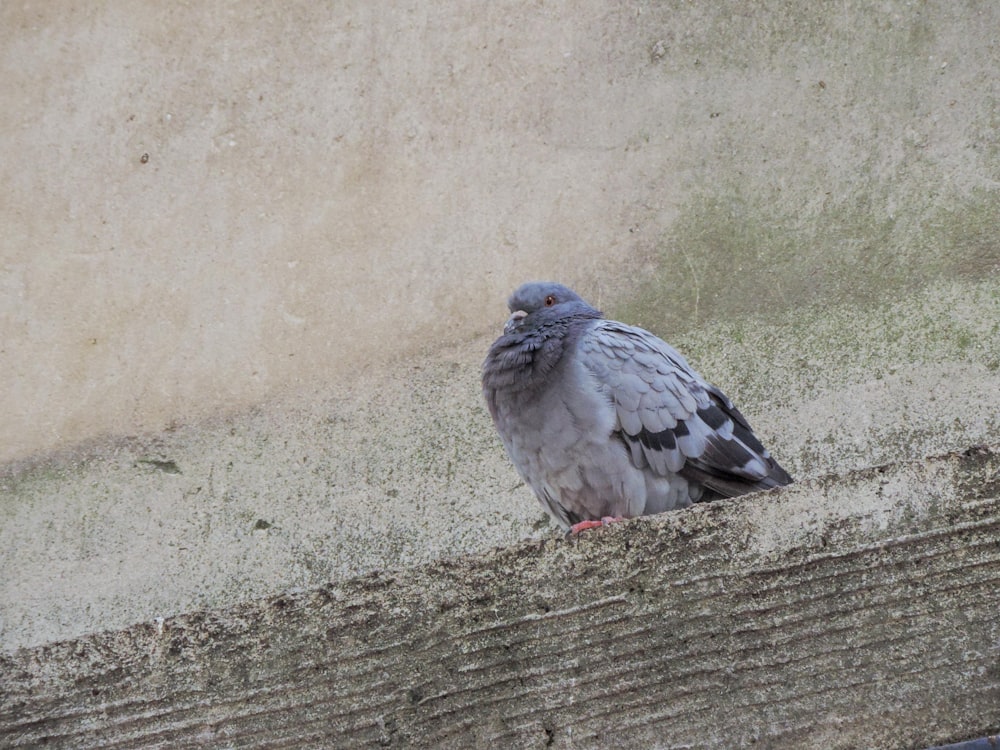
{"points": [[671, 420]]}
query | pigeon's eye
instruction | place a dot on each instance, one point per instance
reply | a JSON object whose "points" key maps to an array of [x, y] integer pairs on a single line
{"points": [[550, 300]]}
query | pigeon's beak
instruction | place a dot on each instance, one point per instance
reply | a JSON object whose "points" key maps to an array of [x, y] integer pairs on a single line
{"points": [[514, 320]]}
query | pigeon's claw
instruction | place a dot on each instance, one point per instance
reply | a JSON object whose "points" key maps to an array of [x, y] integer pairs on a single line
{"points": [[576, 528]]}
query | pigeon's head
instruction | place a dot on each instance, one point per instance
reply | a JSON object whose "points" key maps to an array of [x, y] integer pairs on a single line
{"points": [[538, 302]]}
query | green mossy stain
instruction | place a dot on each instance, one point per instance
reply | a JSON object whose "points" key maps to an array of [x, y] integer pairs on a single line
{"points": [[734, 256]]}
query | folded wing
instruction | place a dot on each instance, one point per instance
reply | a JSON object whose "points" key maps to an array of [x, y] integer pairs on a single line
{"points": [[670, 419]]}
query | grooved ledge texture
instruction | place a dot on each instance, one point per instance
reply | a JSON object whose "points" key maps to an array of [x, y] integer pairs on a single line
{"points": [[868, 617]]}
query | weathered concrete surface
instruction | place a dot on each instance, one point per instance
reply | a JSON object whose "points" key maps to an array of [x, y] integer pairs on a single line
{"points": [[207, 515], [248, 362], [790, 619]]}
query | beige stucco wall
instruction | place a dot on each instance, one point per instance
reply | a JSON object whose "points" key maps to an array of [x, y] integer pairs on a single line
{"points": [[251, 258]]}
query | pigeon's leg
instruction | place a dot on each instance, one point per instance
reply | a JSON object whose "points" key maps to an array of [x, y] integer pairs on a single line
{"points": [[576, 528]]}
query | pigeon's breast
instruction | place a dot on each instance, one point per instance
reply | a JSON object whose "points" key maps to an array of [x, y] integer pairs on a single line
{"points": [[563, 445]]}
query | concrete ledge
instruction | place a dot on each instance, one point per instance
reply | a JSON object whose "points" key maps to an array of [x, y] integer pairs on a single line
{"points": [[866, 618]]}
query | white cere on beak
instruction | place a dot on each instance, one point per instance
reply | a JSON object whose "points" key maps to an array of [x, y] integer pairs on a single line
{"points": [[514, 320]]}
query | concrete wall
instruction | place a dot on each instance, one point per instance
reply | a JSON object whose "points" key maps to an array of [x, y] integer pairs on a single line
{"points": [[251, 258]]}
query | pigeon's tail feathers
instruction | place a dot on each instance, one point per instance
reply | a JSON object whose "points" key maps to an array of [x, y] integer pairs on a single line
{"points": [[734, 461], [777, 477], [730, 467], [724, 484]]}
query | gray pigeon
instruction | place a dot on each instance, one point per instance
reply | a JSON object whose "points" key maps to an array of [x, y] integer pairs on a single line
{"points": [[604, 420]]}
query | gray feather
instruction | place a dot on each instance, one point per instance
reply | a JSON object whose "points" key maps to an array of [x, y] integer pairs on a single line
{"points": [[605, 419]]}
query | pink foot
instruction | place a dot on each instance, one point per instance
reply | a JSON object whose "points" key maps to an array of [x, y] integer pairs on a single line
{"points": [[576, 528]]}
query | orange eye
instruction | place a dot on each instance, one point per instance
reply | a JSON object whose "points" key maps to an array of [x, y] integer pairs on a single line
{"points": [[549, 301]]}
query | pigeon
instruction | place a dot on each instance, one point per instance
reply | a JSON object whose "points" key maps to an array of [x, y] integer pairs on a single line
{"points": [[606, 421]]}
